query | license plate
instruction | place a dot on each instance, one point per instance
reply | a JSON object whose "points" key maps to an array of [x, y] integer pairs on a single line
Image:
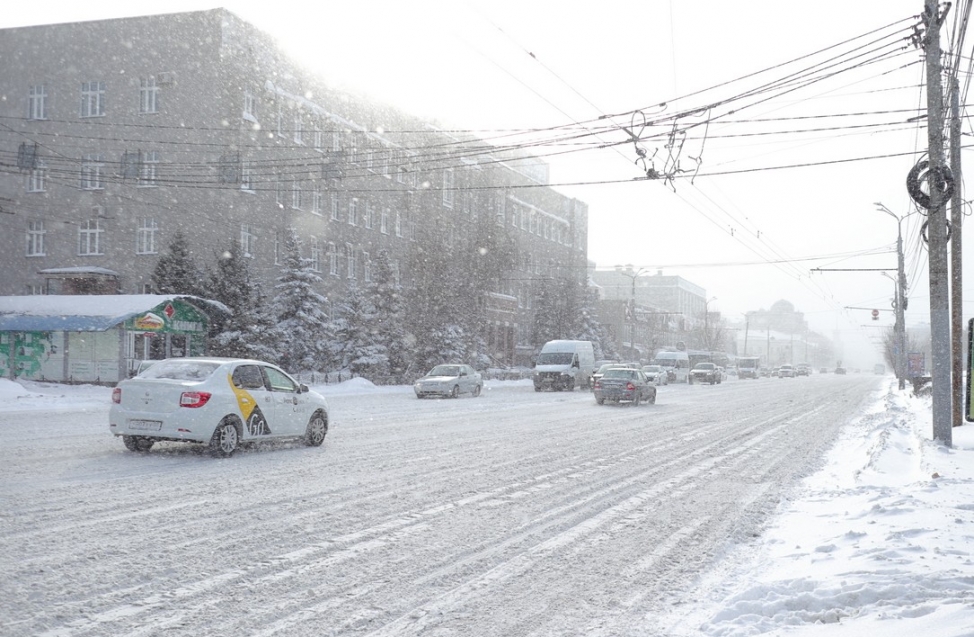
{"points": [[145, 425]]}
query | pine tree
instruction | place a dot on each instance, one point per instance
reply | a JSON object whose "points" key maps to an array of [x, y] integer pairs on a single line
{"points": [[176, 272], [231, 284], [355, 328], [388, 332], [299, 310]]}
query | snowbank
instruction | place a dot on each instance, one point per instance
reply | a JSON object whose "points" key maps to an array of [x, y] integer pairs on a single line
{"points": [[880, 542]]}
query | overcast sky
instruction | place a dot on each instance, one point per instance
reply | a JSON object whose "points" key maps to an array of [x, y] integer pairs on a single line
{"points": [[745, 227]]}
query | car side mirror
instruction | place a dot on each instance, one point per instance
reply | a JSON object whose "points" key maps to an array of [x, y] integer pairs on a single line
{"points": [[302, 388]]}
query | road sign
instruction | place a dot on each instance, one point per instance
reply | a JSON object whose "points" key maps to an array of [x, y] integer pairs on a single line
{"points": [[875, 315]]}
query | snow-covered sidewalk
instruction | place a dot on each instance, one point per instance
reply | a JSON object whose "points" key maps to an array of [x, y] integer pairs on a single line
{"points": [[879, 542]]}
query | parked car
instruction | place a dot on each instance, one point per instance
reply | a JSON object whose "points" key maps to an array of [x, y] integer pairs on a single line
{"points": [[449, 381], [786, 371], [656, 374], [705, 373], [764, 372], [220, 402], [624, 384], [803, 369], [840, 370]]}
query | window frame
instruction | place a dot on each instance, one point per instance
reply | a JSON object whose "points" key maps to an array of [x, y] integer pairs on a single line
{"points": [[92, 99]]}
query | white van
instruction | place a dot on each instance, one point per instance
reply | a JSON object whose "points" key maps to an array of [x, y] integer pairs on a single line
{"points": [[676, 364], [564, 365]]}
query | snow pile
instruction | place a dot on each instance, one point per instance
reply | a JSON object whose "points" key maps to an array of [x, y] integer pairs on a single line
{"points": [[879, 542], [27, 394]]}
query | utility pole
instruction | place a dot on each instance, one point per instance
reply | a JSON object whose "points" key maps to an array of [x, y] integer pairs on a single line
{"points": [[899, 300], [956, 261], [936, 230]]}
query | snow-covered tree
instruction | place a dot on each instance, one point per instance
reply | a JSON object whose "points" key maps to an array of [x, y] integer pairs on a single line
{"points": [[176, 272], [299, 310], [355, 329], [385, 293], [231, 284]]}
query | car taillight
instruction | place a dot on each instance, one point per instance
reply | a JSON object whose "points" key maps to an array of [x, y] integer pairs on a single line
{"points": [[117, 395], [598, 384], [630, 387], [194, 398]]}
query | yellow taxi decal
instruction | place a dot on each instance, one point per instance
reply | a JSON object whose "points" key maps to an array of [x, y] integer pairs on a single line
{"points": [[245, 401]]}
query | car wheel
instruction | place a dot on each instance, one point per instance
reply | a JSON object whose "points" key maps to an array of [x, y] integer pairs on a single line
{"points": [[317, 428], [690, 380], [600, 401], [536, 388], [455, 393], [476, 391], [635, 400], [225, 440], [137, 443], [570, 385], [652, 399]]}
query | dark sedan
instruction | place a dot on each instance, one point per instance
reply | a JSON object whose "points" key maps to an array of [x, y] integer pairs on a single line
{"points": [[624, 384], [705, 373]]}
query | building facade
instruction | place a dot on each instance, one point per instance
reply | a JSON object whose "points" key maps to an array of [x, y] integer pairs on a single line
{"points": [[119, 133]]}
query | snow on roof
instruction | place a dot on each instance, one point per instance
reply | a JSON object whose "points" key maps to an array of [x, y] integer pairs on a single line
{"points": [[85, 313]]}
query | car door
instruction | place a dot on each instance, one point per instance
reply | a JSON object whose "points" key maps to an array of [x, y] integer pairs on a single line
{"points": [[253, 400], [467, 379], [289, 403]]}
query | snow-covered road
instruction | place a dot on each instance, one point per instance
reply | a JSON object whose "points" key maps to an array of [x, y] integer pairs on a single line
{"points": [[515, 513]]}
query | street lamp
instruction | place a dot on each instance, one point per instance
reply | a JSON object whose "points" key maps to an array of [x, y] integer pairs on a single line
{"points": [[632, 274], [899, 327]]}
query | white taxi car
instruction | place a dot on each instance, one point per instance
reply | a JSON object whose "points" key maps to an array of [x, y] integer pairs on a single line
{"points": [[221, 402]]}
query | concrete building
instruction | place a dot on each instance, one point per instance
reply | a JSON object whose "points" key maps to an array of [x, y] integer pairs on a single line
{"points": [[118, 133], [663, 310]]}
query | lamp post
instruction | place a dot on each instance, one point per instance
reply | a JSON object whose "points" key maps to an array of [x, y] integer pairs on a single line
{"points": [[632, 274], [900, 301]]}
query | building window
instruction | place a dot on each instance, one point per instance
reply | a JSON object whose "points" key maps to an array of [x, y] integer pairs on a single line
{"points": [[352, 211], [277, 248], [367, 216], [37, 178], [148, 95], [250, 107], [89, 237], [92, 99], [296, 194], [333, 259], [145, 237], [316, 200], [37, 102], [384, 221], [279, 197], [148, 170], [35, 238], [298, 128], [395, 272], [398, 224], [334, 206], [318, 139], [91, 169], [366, 267], [448, 188], [350, 257], [246, 176], [315, 255], [248, 240]]}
